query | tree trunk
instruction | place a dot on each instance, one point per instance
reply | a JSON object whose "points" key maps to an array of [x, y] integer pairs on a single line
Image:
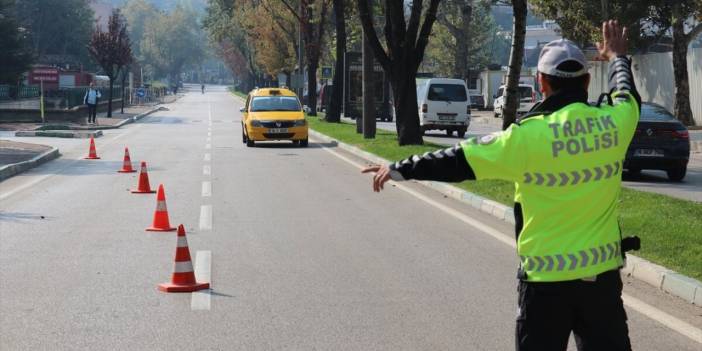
{"points": [[404, 89], [463, 40], [681, 109], [509, 113], [312, 86], [367, 89], [334, 113], [109, 97]]}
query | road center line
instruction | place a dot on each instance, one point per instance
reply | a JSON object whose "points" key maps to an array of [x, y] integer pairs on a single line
{"points": [[201, 300], [206, 217], [209, 134], [206, 170], [208, 146], [206, 189], [647, 310], [208, 157]]}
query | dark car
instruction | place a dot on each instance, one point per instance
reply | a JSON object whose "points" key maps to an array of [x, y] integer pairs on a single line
{"points": [[477, 102], [661, 142]]}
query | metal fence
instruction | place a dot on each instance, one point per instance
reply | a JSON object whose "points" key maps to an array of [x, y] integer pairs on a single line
{"points": [[9, 92], [146, 96], [653, 74]]}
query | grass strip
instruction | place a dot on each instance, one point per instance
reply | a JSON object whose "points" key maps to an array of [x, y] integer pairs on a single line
{"points": [[670, 229]]}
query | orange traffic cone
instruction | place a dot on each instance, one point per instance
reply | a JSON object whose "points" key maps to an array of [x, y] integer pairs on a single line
{"points": [[127, 163], [161, 223], [92, 154], [144, 186], [183, 279]]}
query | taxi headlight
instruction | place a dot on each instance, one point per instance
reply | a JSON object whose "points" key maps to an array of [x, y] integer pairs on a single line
{"points": [[300, 123], [256, 123]]}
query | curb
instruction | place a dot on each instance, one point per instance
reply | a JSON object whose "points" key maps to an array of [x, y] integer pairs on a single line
{"points": [[658, 276], [137, 117], [13, 169], [59, 133]]}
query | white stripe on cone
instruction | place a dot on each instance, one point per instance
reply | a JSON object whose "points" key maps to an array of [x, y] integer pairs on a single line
{"points": [[183, 267], [182, 241], [161, 206]]}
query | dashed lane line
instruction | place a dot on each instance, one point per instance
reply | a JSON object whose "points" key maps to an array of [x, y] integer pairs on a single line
{"points": [[647, 310], [201, 300], [206, 217], [206, 189], [206, 170], [208, 157], [208, 146]]}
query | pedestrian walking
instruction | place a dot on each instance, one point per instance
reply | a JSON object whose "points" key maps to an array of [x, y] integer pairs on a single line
{"points": [[565, 158], [203, 88], [91, 98]]}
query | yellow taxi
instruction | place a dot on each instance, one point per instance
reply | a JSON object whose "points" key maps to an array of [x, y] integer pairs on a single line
{"points": [[273, 114]]}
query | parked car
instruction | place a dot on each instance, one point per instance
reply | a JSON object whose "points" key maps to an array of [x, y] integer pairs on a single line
{"points": [[477, 102], [443, 105], [527, 99], [661, 142], [273, 114]]}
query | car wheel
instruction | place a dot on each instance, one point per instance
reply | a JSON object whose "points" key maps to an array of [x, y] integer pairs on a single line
{"points": [[250, 143], [389, 119], [304, 143], [462, 133], [677, 174], [449, 132], [243, 136]]}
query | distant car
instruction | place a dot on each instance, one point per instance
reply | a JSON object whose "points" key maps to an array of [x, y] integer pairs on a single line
{"points": [[527, 99], [477, 102], [273, 114], [443, 104], [661, 142]]}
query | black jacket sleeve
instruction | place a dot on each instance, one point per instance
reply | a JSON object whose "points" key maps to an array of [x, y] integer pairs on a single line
{"points": [[447, 165], [621, 79]]}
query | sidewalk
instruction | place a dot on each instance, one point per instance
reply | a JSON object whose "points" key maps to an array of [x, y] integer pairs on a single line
{"points": [[102, 121]]}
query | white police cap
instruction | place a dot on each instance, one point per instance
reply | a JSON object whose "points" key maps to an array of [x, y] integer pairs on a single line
{"points": [[557, 52]]}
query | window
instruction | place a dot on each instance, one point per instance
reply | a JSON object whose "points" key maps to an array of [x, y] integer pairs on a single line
{"points": [[655, 113], [447, 92], [274, 103]]}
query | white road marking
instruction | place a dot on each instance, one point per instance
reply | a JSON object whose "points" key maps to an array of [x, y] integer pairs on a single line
{"points": [[206, 217], [206, 189], [208, 146], [209, 139], [209, 134], [647, 310], [206, 170], [200, 300], [208, 157]]}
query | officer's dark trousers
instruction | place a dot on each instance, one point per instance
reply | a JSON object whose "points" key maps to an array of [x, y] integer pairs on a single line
{"points": [[92, 112], [593, 311]]}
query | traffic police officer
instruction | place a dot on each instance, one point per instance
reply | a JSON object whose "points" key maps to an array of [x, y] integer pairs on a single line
{"points": [[565, 159]]}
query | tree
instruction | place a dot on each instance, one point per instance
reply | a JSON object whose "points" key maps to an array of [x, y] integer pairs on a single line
{"points": [[516, 57], [677, 16], [400, 59], [456, 50], [334, 113], [137, 13], [15, 56], [112, 50], [172, 42], [57, 27], [312, 16]]}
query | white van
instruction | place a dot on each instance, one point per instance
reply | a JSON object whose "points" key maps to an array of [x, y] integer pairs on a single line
{"points": [[444, 105], [527, 99]]}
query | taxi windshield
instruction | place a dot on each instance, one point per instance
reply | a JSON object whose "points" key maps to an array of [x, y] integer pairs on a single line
{"points": [[274, 103]]}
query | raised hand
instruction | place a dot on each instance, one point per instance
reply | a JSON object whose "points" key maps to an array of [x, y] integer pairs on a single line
{"points": [[614, 40]]}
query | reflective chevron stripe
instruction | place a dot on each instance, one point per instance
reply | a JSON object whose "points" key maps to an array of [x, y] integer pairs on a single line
{"points": [[571, 261], [573, 177]]}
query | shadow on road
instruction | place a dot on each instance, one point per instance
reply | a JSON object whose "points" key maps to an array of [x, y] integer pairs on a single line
{"points": [[20, 217]]}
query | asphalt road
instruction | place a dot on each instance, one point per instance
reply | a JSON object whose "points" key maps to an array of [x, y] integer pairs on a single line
{"points": [[301, 253]]}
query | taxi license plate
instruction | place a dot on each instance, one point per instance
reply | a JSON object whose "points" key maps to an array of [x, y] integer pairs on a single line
{"points": [[446, 117], [277, 130], [649, 152]]}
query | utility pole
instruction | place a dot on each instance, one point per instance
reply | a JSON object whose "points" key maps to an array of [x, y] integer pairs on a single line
{"points": [[368, 119]]}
